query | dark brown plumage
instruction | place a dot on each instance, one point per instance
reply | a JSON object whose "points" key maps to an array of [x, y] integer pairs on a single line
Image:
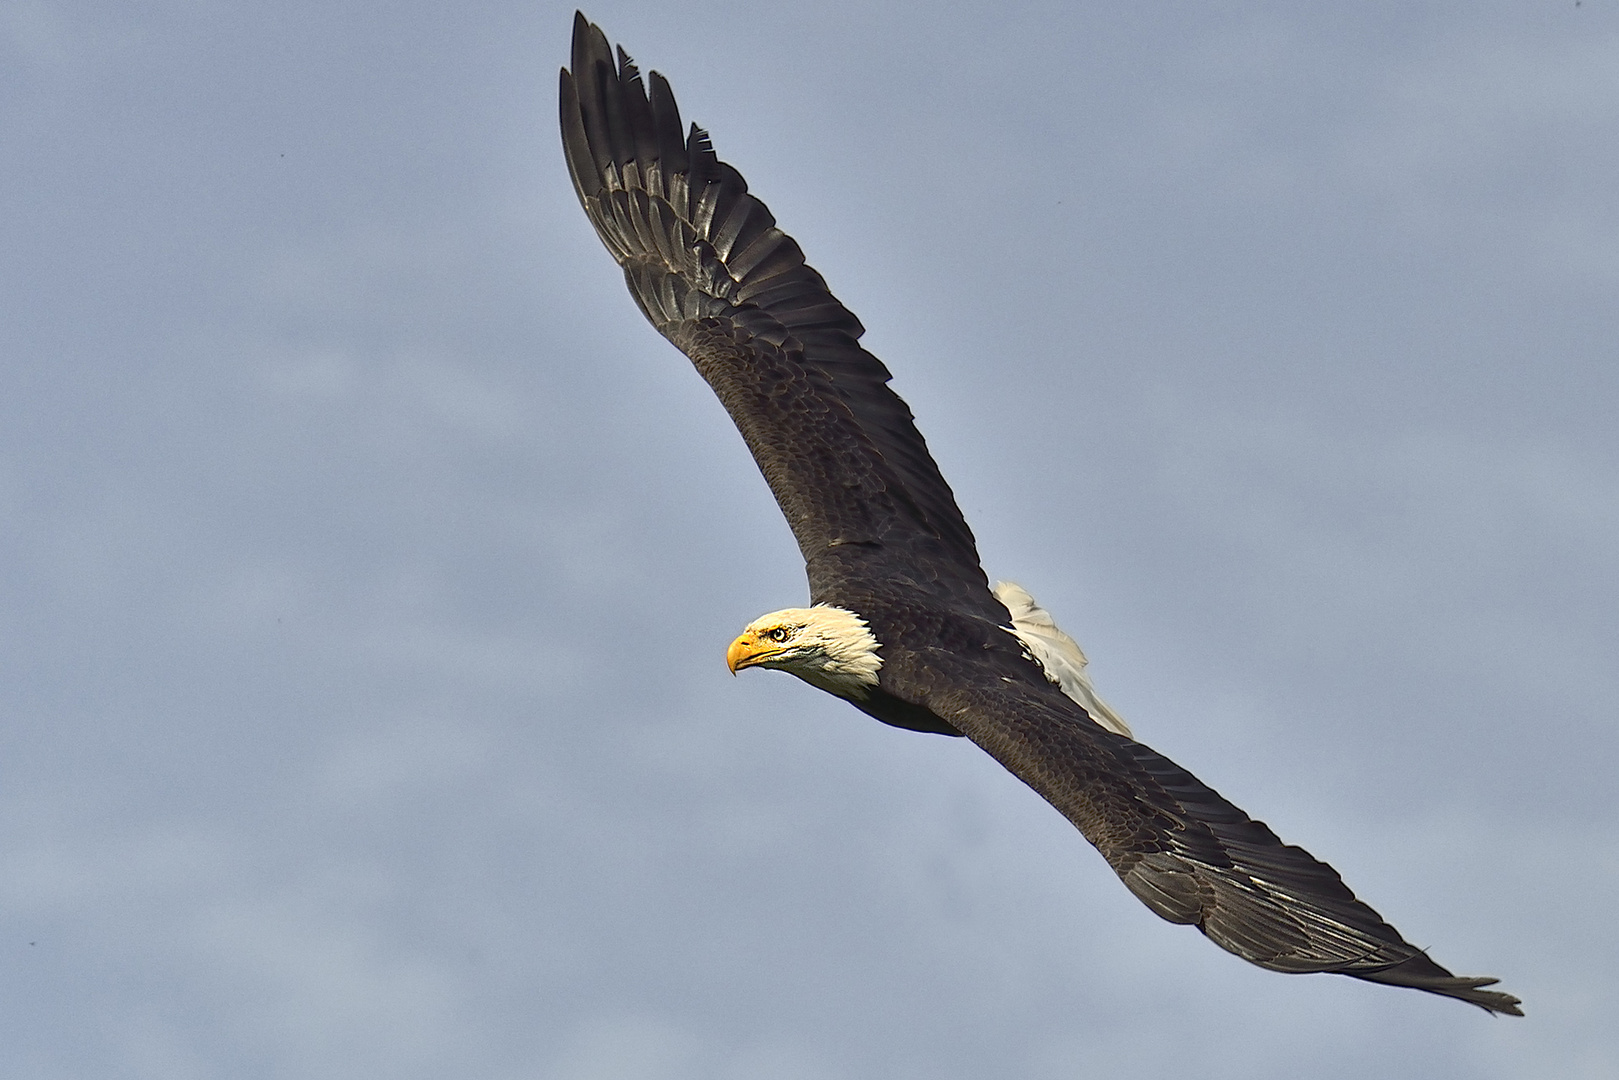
{"points": [[882, 537]]}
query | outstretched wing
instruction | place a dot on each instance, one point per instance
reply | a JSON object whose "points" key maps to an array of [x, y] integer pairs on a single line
{"points": [[710, 270], [1188, 854]]}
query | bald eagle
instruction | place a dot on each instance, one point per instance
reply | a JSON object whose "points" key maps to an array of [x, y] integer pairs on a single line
{"points": [[903, 624]]}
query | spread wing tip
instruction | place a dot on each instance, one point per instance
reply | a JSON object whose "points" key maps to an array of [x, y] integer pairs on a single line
{"points": [[711, 270]]}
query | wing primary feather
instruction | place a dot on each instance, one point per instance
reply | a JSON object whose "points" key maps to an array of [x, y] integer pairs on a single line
{"points": [[642, 133], [575, 143], [592, 67], [671, 148]]}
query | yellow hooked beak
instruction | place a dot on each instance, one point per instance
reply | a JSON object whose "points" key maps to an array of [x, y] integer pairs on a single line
{"points": [[746, 651]]}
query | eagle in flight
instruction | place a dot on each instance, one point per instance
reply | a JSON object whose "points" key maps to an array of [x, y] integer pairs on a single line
{"points": [[902, 622]]}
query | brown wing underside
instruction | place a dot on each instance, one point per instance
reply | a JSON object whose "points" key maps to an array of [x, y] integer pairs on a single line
{"points": [[1187, 853], [710, 270]]}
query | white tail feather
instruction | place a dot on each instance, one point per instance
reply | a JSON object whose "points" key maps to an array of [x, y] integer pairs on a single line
{"points": [[1056, 652]]}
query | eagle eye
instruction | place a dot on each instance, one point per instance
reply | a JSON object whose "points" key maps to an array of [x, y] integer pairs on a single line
{"points": [[778, 634]]}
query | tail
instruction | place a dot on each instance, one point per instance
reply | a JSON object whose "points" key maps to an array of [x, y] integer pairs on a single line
{"points": [[1057, 653]]}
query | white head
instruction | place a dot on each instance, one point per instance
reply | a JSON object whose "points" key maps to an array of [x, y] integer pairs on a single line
{"points": [[827, 647]]}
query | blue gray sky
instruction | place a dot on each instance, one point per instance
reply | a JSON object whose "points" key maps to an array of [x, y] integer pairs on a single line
{"points": [[367, 564]]}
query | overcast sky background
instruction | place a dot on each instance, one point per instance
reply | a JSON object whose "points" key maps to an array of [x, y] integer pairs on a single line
{"points": [[367, 564]]}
